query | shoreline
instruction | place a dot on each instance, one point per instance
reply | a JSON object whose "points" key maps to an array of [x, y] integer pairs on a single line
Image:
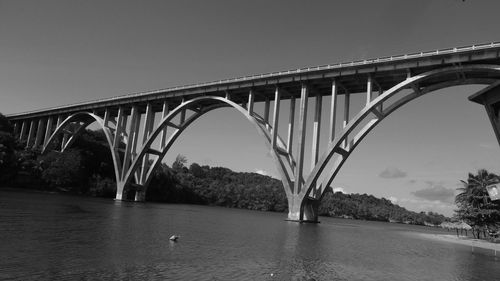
{"points": [[66, 192], [462, 240]]}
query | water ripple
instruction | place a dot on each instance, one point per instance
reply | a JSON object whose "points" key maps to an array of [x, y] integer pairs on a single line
{"points": [[55, 237]]}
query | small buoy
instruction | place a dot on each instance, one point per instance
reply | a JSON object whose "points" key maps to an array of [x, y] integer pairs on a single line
{"points": [[272, 274], [174, 238]]}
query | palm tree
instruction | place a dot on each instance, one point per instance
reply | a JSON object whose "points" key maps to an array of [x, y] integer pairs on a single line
{"points": [[474, 191], [474, 205]]}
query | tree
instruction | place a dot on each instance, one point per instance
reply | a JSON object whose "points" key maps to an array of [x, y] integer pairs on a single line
{"points": [[8, 146], [474, 204], [196, 170], [5, 125], [179, 163], [96, 155], [62, 169]]}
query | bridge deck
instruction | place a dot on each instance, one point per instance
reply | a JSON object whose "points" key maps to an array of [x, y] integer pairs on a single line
{"points": [[351, 76]]}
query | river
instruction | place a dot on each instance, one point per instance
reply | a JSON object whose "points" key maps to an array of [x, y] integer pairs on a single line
{"points": [[61, 237]]}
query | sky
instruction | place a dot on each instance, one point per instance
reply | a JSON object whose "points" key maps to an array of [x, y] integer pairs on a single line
{"points": [[62, 52]]}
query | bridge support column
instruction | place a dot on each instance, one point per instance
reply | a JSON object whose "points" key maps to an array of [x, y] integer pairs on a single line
{"points": [[48, 131], [140, 195], [490, 98], [302, 138], [24, 128], [251, 96], [316, 131], [39, 132], [120, 128], [333, 111], [302, 209], [347, 98], [369, 88], [291, 123], [16, 128], [310, 210], [163, 139], [129, 148], [122, 191], [119, 191], [267, 104], [276, 116], [31, 134]]}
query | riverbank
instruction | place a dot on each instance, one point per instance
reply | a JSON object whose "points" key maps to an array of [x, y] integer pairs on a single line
{"points": [[463, 240]]}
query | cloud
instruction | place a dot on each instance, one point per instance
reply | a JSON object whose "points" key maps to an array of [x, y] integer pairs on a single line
{"points": [[392, 173], [261, 172], [436, 192], [419, 205], [412, 181], [338, 189], [488, 145]]}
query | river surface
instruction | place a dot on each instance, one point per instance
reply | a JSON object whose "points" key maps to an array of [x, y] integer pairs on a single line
{"points": [[60, 237]]}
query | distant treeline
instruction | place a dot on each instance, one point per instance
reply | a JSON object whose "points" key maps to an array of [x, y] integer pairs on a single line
{"points": [[87, 169], [368, 207], [223, 187], [216, 186]]}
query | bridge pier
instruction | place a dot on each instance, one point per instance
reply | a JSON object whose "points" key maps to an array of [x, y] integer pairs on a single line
{"points": [[125, 192], [140, 195], [120, 191], [302, 209], [130, 192]]}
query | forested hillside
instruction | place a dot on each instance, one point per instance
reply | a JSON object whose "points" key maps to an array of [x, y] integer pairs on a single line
{"points": [[223, 187], [368, 207]]}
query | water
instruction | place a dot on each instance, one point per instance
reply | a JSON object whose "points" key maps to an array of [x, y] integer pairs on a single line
{"points": [[60, 237]]}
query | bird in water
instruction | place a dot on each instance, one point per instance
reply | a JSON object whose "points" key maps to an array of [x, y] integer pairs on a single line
{"points": [[174, 238]]}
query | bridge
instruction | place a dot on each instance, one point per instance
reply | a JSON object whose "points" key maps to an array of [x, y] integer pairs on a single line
{"points": [[140, 128]]}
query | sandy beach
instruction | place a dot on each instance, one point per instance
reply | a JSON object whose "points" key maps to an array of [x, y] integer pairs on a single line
{"points": [[461, 240]]}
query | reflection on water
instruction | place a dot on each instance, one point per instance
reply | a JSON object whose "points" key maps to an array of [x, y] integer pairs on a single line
{"points": [[53, 237]]}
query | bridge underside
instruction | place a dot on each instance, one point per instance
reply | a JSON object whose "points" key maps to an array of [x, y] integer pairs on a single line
{"points": [[490, 99], [140, 129]]}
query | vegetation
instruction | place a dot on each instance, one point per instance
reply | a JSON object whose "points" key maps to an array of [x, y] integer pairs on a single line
{"points": [[368, 207], [475, 207], [8, 147], [222, 187], [86, 168], [215, 186]]}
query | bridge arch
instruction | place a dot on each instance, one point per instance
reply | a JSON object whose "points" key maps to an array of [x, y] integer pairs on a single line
{"points": [[135, 171], [84, 119], [340, 148], [195, 105]]}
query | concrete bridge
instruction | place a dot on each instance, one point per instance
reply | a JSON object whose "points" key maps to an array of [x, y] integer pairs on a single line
{"points": [[141, 128]]}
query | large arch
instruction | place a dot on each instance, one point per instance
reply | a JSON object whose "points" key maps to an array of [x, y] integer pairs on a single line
{"points": [[303, 202], [340, 148], [194, 105], [84, 119]]}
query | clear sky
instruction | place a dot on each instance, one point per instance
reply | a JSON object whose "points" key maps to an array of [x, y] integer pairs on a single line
{"points": [[61, 52]]}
